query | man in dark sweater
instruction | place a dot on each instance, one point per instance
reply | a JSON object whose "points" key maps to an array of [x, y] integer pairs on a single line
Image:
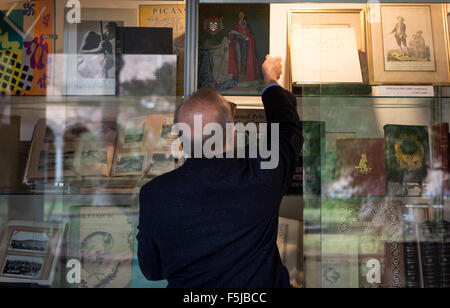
{"points": [[214, 222]]}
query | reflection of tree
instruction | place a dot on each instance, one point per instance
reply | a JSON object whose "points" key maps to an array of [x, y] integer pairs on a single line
{"points": [[162, 85]]}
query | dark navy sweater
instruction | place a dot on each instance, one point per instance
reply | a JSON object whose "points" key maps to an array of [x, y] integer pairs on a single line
{"points": [[213, 222]]}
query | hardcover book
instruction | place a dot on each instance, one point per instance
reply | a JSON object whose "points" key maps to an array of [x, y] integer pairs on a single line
{"points": [[429, 254], [443, 231], [411, 255], [377, 228], [10, 152], [172, 16], [440, 153], [307, 178], [145, 41], [144, 146], [140, 147], [407, 153], [362, 165]]}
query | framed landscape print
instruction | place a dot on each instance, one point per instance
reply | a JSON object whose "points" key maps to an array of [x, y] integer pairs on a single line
{"points": [[408, 44], [233, 43]]}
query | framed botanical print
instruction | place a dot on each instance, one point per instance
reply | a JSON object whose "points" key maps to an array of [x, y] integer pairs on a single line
{"points": [[408, 44], [233, 43]]}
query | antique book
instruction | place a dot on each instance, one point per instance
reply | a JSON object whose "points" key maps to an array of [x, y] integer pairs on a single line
{"points": [[102, 239], [377, 228], [87, 150], [145, 40], [440, 152], [171, 16], [331, 171], [307, 178], [407, 153], [443, 232], [30, 252], [144, 146], [339, 262], [411, 255], [429, 254], [362, 166], [10, 152]]}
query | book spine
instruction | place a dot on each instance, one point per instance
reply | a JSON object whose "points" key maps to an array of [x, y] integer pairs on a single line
{"points": [[443, 230], [440, 146], [411, 253], [429, 254]]}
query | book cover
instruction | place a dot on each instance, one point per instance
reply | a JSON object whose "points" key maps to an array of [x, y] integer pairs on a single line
{"points": [[172, 16], [411, 256], [145, 40], [362, 165], [307, 178], [440, 153], [102, 239], [377, 226], [429, 254], [144, 146], [443, 230], [407, 153], [10, 152]]}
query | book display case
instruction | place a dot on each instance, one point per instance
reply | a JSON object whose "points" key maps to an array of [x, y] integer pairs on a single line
{"points": [[86, 112]]}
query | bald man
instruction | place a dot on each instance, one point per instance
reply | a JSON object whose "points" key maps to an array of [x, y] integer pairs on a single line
{"points": [[213, 222]]}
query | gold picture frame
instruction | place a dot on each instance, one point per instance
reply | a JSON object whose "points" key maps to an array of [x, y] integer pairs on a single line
{"points": [[355, 18], [413, 55]]}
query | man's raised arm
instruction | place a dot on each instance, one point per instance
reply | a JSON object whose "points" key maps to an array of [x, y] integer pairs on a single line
{"points": [[280, 107]]}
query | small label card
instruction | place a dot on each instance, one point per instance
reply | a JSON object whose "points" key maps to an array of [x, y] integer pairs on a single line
{"points": [[408, 91]]}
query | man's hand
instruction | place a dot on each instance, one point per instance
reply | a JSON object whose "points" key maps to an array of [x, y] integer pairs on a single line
{"points": [[272, 70]]}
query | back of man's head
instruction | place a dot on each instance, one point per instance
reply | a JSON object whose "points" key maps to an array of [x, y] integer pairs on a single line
{"points": [[211, 107]]}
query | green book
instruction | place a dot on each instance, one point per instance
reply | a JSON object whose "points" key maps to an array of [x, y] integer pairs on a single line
{"points": [[307, 178], [407, 153]]}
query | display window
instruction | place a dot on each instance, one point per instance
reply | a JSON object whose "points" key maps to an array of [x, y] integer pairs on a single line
{"points": [[91, 95]]}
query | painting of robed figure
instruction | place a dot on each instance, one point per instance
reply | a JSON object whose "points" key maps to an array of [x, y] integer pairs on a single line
{"points": [[233, 42]]}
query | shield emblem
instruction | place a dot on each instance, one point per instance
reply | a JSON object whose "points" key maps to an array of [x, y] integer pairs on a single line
{"points": [[213, 25]]}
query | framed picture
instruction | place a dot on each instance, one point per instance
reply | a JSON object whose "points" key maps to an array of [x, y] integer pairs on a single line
{"points": [[30, 252], [233, 43], [341, 22], [408, 44], [90, 48], [172, 16]]}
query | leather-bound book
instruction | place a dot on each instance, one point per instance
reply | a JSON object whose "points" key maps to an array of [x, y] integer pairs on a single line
{"points": [[362, 165], [307, 178], [443, 231], [411, 256], [439, 151], [407, 153], [429, 255]]}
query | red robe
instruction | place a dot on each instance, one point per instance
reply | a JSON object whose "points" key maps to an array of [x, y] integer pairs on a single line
{"points": [[252, 62]]}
